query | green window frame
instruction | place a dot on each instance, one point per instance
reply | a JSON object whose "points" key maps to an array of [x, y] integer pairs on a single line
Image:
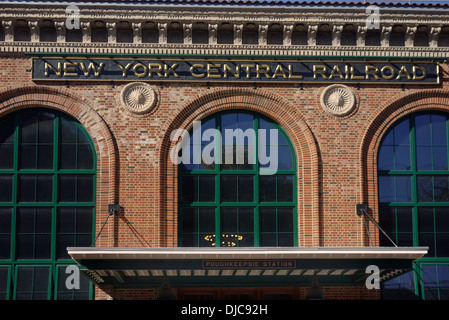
{"points": [[214, 211], [49, 197], [413, 185]]}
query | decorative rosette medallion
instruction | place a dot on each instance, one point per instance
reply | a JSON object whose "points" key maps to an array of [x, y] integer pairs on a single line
{"points": [[338, 100], [138, 97]]}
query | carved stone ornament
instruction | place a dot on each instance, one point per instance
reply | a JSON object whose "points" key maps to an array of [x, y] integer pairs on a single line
{"points": [[138, 97], [338, 100]]}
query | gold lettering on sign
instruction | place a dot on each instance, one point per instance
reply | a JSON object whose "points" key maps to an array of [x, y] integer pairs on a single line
{"points": [[279, 72], [403, 73], [155, 67], [171, 69], [124, 69], [193, 70], [57, 71], [319, 70], [91, 67], [373, 71], [336, 72], [235, 73], [387, 76], [212, 71], [421, 77], [69, 69], [262, 69], [291, 75]]}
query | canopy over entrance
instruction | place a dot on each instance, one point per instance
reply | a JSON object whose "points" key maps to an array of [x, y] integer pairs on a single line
{"points": [[212, 267]]}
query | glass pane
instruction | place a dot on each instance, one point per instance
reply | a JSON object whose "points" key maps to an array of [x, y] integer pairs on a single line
{"points": [[85, 188], [229, 220], [5, 220], [25, 220], [189, 189], [8, 127], [66, 220], [284, 188], [43, 220], [246, 219], [267, 219], [386, 158], [7, 156], [267, 188], [84, 220], [403, 189], [424, 158], [189, 220], [425, 188], [206, 220], [268, 240], [387, 219], [67, 131], [402, 133], [441, 188], [285, 220], [388, 140], [427, 240], [285, 240], [442, 219], [6, 188], [45, 157], [284, 158], [24, 246], [442, 247], [207, 188], [439, 131], [63, 242], [42, 245], [67, 188], [422, 128], [5, 233], [439, 158], [402, 157], [27, 188], [229, 188], [4, 276], [245, 189], [27, 157], [28, 132], [386, 189], [44, 188], [404, 220], [425, 220], [67, 156], [85, 157], [45, 130]]}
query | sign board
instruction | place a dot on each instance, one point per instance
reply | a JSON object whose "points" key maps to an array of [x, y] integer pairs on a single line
{"points": [[257, 70], [248, 264]]}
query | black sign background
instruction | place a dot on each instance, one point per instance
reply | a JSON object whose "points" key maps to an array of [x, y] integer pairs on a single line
{"points": [[82, 69]]}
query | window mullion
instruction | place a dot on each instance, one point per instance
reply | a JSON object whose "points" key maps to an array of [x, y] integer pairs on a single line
{"points": [[256, 186], [414, 186]]}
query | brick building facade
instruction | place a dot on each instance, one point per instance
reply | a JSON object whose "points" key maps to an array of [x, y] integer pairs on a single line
{"points": [[335, 157]]}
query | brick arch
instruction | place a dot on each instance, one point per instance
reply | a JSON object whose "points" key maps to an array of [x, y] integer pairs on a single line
{"points": [[392, 111], [63, 100], [271, 106]]}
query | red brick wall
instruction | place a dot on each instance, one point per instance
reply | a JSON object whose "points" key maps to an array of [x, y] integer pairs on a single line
{"points": [[336, 156]]}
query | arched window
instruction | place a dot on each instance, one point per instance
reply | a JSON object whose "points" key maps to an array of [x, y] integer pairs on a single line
{"points": [[47, 203], [413, 178], [237, 201]]}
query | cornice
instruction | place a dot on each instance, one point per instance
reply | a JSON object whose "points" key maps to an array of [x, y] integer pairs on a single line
{"points": [[212, 50]]}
